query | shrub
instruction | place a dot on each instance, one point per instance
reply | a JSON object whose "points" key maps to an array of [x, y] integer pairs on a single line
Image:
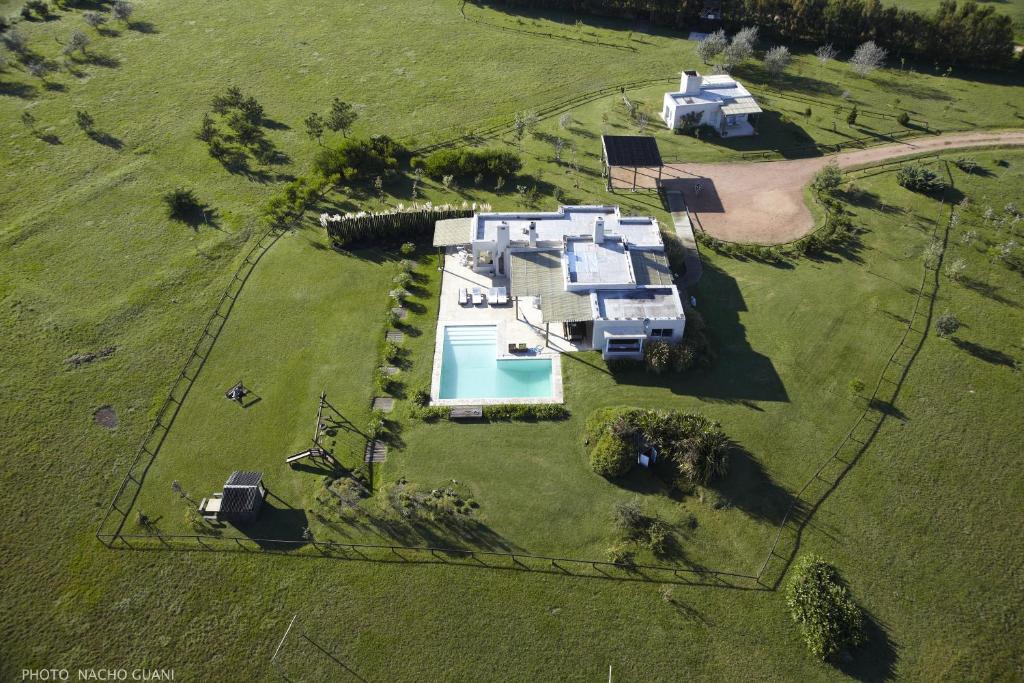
{"points": [[375, 425], [917, 178], [181, 203], [525, 411], [657, 537], [402, 280], [966, 164], [947, 324], [704, 454], [629, 519], [421, 397], [619, 553], [903, 119], [612, 456], [359, 159], [821, 604], [658, 356], [828, 178], [407, 248], [470, 162], [856, 386]]}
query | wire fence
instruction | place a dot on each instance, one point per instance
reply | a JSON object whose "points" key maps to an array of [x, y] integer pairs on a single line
{"points": [[878, 407], [124, 498], [406, 554]]}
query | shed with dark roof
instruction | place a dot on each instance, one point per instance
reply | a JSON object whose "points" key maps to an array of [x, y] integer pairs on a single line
{"points": [[242, 496]]}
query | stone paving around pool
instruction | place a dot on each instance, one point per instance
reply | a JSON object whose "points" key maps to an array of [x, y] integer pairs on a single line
{"points": [[527, 328]]}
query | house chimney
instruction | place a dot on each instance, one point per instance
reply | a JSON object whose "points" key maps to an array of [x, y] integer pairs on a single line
{"points": [[533, 234], [501, 238], [599, 230], [690, 83]]}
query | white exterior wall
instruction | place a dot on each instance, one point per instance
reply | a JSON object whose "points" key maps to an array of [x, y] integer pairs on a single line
{"points": [[712, 112], [638, 328]]}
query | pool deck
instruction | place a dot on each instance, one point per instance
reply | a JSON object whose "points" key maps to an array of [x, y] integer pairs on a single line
{"points": [[527, 328]]}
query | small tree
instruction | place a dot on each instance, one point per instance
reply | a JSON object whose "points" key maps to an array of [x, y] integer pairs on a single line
{"points": [[828, 178], [629, 519], [37, 68], [917, 178], [712, 45], [77, 42], [851, 117], [341, 117], [15, 41], [947, 324], [565, 121], [867, 58], [742, 46], [903, 119], [123, 10], [825, 53], [856, 386], [95, 19], [955, 270], [777, 60], [85, 121], [315, 127], [29, 120]]}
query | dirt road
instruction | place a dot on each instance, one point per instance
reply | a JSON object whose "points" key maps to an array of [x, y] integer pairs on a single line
{"points": [[762, 201]]}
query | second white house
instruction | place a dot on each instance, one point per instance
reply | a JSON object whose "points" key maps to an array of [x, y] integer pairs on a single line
{"points": [[717, 101]]}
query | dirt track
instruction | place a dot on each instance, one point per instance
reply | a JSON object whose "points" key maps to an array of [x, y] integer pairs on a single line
{"points": [[762, 201]]}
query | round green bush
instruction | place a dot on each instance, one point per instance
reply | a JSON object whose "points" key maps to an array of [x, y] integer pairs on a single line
{"points": [[612, 456]]}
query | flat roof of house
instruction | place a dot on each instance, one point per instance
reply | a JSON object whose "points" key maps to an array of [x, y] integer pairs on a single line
{"points": [[604, 263], [719, 89], [639, 304], [631, 150], [569, 221]]}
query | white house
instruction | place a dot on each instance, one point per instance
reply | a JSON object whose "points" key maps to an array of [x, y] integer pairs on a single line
{"points": [[605, 277], [717, 101]]}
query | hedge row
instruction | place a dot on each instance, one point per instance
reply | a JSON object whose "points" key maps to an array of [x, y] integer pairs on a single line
{"points": [[388, 228]]}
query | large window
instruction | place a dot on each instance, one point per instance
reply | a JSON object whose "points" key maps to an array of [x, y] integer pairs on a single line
{"points": [[624, 345], [661, 332]]}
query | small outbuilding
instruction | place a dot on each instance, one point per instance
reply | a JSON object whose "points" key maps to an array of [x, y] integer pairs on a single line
{"points": [[239, 501]]}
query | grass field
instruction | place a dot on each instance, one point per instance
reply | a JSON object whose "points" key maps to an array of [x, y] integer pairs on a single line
{"points": [[920, 529]]}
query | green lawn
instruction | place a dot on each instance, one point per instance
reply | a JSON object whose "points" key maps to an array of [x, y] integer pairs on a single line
{"points": [[920, 529]]}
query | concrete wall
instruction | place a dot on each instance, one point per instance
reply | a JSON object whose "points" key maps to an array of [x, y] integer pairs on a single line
{"points": [[672, 112], [635, 327]]}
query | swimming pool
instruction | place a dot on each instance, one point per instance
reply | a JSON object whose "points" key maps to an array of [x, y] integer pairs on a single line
{"points": [[470, 368]]}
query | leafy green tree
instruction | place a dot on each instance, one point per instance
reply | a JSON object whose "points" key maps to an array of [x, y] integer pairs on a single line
{"points": [[947, 324], [851, 117], [828, 178], [315, 126], [341, 117]]}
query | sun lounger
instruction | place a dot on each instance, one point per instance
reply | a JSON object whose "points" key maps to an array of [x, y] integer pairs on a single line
{"points": [[463, 296], [478, 296], [497, 296], [521, 346]]}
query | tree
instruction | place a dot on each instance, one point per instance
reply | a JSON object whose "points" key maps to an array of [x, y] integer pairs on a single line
{"points": [[820, 603], [29, 120], [94, 19], [565, 121], [742, 46], [315, 127], [825, 53], [15, 41], [867, 58], [947, 324], [37, 68], [123, 10], [777, 60], [712, 45], [955, 270], [85, 120], [828, 178], [77, 42], [917, 178], [851, 118], [341, 117]]}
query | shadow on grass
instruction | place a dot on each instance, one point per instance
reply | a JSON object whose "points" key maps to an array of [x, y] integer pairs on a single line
{"points": [[876, 659], [281, 522], [105, 139], [985, 353], [24, 91], [750, 488], [988, 291], [143, 27], [740, 374]]}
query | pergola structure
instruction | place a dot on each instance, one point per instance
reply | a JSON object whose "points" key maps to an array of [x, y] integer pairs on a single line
{"points": [[631, 162], [539, 274]]}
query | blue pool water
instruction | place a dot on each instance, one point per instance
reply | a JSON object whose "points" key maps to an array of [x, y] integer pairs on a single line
{"points": [[470, 368]]}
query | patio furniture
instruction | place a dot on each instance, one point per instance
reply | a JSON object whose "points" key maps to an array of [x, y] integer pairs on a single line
{"points": [[497, 296], [478, 296], [512, 348], [463, 296], [521, 347], [209, 508]]}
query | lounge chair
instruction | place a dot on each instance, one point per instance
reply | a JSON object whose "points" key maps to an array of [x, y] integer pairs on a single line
{"points": [[497, 296], [521, 347], [478, 296], [463, 296]]}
